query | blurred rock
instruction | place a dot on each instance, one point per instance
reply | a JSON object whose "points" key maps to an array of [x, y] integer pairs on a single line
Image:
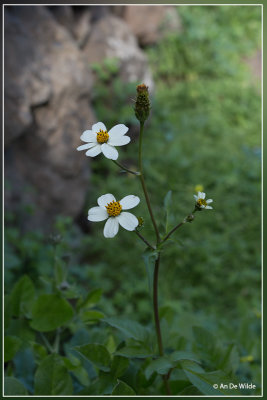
{"points": [[111, 38], [47, 92], [151, 23], [76, 19]]}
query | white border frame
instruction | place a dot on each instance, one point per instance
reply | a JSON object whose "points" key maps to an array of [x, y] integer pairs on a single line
{"points": [[152, 5]]}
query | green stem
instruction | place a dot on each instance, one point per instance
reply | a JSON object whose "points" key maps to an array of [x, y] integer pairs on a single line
{"points": [[145, 241], [157, 262], [125, 169], [156, 317], [48, 345], [172, 231], [57, 341], [141, 176]]}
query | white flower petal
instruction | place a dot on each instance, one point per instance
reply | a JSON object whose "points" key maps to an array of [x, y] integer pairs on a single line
{"points": [[111, 227], [129, 202], [86, 146], [103, 201], [97, 214], [118, 131], [196, 197], [89, 136], [128, 221], [119, 141], [94, 151], [201, 195], [208, 207], [202, 206], [209, 201], [109, 151], [99, 125]]}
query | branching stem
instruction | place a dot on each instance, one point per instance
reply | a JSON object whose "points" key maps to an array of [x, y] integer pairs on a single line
{"points": [[145, 241], [126, 169]]}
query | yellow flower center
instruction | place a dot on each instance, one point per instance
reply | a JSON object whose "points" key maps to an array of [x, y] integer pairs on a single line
{"points": [[102, 136], [113, 208], [202, 202]]}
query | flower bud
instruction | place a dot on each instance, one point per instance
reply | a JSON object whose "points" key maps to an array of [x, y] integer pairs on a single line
{"points": [[142, 104], [189, 218]]}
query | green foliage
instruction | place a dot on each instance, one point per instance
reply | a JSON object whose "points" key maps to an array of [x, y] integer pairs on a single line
{"points": [[14, 387], [52, 377], [78, 315], [50, 312], [122, 389]]}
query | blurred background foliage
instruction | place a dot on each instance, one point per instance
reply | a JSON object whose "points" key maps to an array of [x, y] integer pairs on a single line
{"points": [[204, 129]]}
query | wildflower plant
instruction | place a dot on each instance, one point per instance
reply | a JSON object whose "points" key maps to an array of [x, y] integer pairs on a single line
{"points": [[113, 212]]}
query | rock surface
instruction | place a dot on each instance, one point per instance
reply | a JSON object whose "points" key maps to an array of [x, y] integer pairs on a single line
{"points": [[47, 91], [151, 23], [111, 38]]}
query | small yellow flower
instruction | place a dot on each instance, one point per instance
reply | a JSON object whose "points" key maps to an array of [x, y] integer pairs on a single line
{"points": [[199, 188], [249, 358]]}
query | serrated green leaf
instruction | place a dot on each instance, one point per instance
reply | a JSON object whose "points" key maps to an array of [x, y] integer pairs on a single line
{"points": [[13, 387], [122, 389], [162, 365], [118, 366], [183, 355], [204, 381], [12, 346], [50, 312], [130, 328], [97, 354], [134, 352], [52, 377], [22, 297]]}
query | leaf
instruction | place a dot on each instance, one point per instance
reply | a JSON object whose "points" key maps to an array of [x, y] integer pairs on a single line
{"points": [[149, 257], [183, 355], [168, 200], [134, 352], [129, 328], [204, 381], [97, 354], [91, 315], [167, 206], [50, 312], [118, 366], [230, 360], [22, 297], [12, 346], [13, 387], [162, 365], [123, 389], [91, 299], [52, 377]]}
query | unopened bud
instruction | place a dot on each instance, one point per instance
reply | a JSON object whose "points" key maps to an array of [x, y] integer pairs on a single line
{"points": [[142, 104], [189, 218]]}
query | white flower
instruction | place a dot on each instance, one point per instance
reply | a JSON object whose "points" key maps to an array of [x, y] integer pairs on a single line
{"points": [[100, 140], [201, 202], [112, 210]]}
